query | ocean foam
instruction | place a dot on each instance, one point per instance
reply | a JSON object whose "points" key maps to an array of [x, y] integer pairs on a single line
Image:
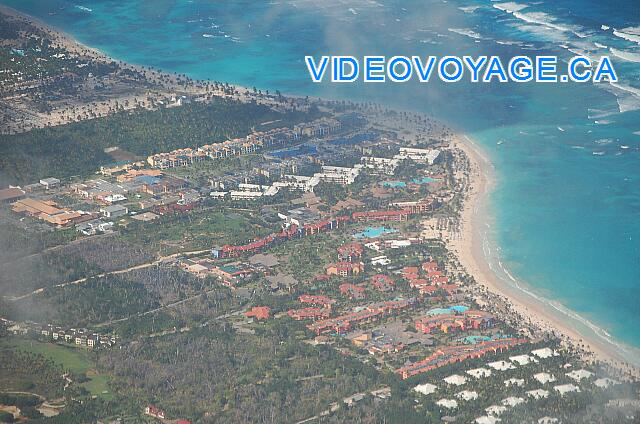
{"points": [[510, 7], [625, 55], [83, 8], [604, 141], [541, 18], [466, 32], [469, 9], [630, 34], [628, 97]]}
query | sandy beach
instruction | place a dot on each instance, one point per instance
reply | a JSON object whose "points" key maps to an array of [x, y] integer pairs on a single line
{"points": [[470, 250]]}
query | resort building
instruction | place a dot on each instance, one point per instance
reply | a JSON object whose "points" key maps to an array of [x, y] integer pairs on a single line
{"points": [[350, 252], [152, 411], [323, 301], [47, 210], [318, 128], [11, 194], [426, 156], [392, 215], [259, 313], [337, 174], [345, 269], [114, 211], [309, 313], [50, 183], [452, 354]]}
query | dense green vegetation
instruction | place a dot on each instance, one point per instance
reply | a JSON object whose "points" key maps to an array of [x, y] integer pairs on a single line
{"points": [[78, 148], [23, 371], [217, 375]]}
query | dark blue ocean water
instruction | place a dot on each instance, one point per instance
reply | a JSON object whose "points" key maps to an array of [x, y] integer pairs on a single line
{"points": [[567, 203]]}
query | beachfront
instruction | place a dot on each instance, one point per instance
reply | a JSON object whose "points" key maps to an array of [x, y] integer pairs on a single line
{"points": [[471, 248]]}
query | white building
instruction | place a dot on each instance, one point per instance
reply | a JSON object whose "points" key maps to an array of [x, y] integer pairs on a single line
{"points": [[447, 403], [114, 211], [467, 395], [425, 389], [519, 382], [455, 380], [579, 375], [479, 373], [544, 353], [338, 174], [495, 410], [49, 183], [501, 365], [426, 156], [522, 359], [566, 388], [380, 165], [249, 195], [544, 377]]}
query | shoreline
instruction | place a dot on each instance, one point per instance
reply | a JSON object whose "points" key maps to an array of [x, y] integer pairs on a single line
{"points": [[532, 308], [469, 248]]}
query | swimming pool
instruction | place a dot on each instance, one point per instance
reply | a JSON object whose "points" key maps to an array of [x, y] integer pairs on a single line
{"points": [[373, 232], [394, 184], [423, 180], [447, 311]]}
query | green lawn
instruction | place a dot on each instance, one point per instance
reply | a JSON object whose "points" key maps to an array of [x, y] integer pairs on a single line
{"points": [[72, 359]]}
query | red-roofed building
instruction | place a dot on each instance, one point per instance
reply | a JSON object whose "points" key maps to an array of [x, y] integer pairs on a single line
{"points": [[429, 266], [444, 323], [450, 288], [453, 354], [410, 270], [350, 252], [382, 282], [381, 216], [434, 274], [259, 312], [428, 290], [410, 273], [309, 313], [352, 291], [323, 301], [479, 319], [419, 282], [373, 312], [440, 280]]}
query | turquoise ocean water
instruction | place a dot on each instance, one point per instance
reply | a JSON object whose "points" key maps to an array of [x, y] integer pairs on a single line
{"points": [[567, 156]]}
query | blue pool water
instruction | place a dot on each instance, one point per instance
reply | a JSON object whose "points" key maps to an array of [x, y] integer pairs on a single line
{"points": [[373, 232], [566, 156], [394, 184], [423, 180], [475, 339], [447, 311]]}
